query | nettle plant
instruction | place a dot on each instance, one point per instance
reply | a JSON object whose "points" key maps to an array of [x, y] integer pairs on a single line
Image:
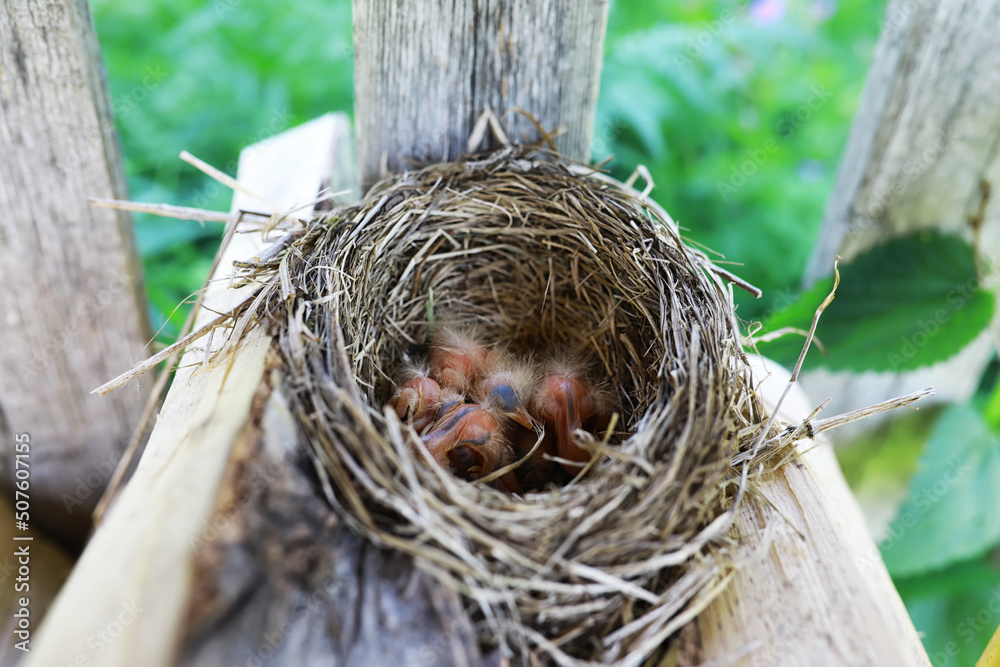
{"points": [[909, 303]]}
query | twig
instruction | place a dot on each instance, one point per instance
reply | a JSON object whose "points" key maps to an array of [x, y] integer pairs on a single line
{"points": [[788, 387], [226, 179]]}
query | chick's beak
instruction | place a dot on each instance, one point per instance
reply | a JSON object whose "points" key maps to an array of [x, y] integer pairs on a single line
{"points": [[559, 405], [520, 417]]}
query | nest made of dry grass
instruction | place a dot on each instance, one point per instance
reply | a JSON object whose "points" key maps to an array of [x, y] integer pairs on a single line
{"points": [[545, 255]]}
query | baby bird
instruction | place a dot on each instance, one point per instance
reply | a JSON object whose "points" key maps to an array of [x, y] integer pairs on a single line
{"points": [[469, 440], [457, 359], [417, 400], [473, 439], [505, 390], [565, 401], [506, 386]]}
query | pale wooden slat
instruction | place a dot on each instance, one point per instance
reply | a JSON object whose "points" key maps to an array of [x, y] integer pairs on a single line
{"points": [[142, 554], [69, 271], [814, 589]]}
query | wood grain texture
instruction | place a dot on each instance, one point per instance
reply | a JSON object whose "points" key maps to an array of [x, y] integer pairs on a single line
{"points": [[425, 71], [813, 589], [72, 304], [139, 560], [221, 544], [141, 557], [279, 580], [926, 133]]}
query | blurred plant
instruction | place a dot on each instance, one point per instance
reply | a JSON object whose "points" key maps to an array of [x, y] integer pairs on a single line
{"points": [[740, 111], [228, 73]]}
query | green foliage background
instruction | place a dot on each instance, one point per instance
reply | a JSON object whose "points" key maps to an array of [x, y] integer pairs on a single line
{"points": [[740, 111]]}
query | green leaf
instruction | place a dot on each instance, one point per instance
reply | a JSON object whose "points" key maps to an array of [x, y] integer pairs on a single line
{"points": [[950, 513], [991, 407], [908, 303], [954, 610]]}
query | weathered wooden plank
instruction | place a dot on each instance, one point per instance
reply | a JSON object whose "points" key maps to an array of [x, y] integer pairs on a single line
{"points": [[221, 543], [425, 71], [924, 139], [142, 555], [813, 589], [69, 271]]}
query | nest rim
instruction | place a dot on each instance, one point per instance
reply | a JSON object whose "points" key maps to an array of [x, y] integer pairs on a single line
{"points": [[603, 588]]}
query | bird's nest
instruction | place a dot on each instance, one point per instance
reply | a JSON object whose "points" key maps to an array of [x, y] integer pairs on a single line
{"points": [[543, 255], [546, 256]]}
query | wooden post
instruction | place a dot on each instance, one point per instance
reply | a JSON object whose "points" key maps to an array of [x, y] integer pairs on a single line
{"points": [[925, 134], [813, 589], [425, 71], [74, 312], [923, 141]]}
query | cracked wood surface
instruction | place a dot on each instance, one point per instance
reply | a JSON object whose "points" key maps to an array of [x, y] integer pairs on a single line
{"points": [[425, 71], [74, 312]]}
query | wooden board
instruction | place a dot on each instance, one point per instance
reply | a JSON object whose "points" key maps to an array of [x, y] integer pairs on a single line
{"points": [[141, 558], [425, 71], [74, 312], [814, 589]]}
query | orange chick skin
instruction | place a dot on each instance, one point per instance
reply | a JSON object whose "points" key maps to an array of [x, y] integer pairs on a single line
{"points": [[416, 401], [457, 359], [567, 402], [469, 440]]}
